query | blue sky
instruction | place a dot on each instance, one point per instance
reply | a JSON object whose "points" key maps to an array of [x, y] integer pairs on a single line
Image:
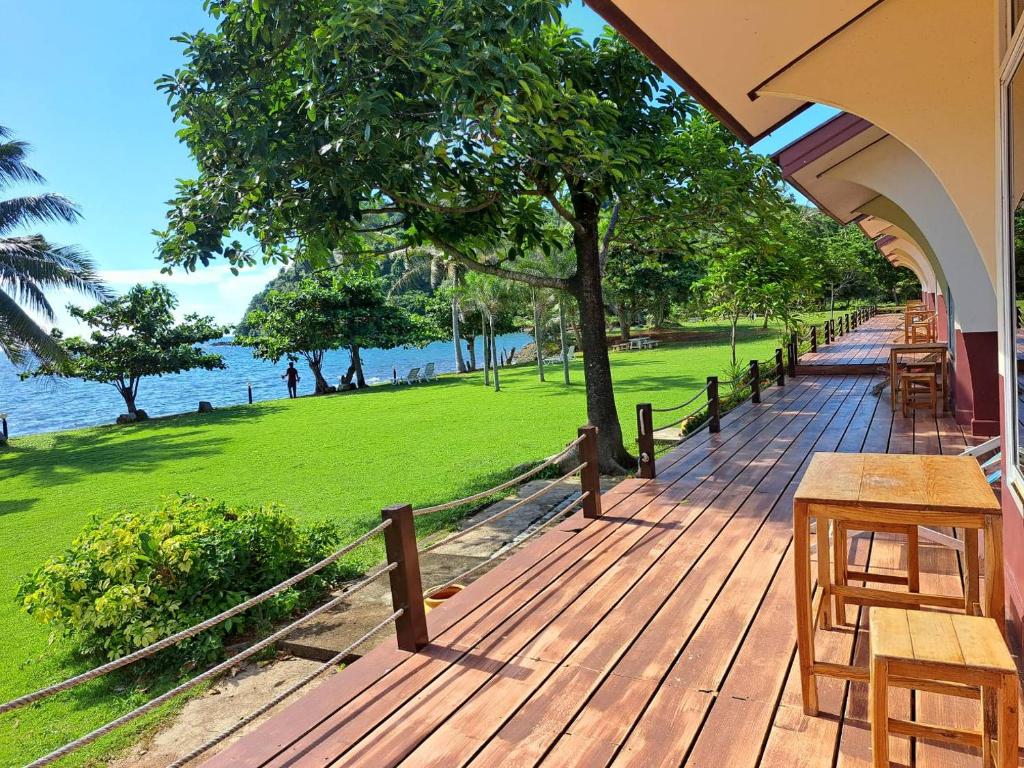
{"points": [[78, 86]]}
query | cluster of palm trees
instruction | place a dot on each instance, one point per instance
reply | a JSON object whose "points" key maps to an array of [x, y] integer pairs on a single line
{"points": [[492, 296], [30, 265]]}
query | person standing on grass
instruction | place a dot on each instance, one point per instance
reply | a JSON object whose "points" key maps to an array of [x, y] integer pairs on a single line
{"points": [[293, 377]]}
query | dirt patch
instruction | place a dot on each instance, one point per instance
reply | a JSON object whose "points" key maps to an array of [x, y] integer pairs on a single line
{"points": [[225, 704]]}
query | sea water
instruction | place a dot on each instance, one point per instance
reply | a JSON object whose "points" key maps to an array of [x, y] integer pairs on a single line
{"points": [[45, 404]]}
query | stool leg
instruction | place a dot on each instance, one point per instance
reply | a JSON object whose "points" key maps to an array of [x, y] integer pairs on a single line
{"points": [[972, 588], [824, 577], [841, 559], [989, 725], [1006, 730], [878, 713], [913, 560]]}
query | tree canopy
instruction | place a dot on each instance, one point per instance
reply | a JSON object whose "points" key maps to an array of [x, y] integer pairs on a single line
{"points": [[330, 310], [461, 126], [134, 336]]}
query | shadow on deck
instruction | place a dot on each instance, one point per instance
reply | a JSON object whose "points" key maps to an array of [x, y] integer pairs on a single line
{"points": [[661, 634]]}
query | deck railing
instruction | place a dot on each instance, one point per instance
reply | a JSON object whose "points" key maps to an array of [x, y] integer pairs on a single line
{"points": [[398, 529]]}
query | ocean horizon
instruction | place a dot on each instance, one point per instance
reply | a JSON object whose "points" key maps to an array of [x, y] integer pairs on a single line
{"points": [[47, 405]]}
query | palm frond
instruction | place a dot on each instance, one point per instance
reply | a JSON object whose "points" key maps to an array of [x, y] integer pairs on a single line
{"points": [[33, 259], [20, 334], [13, 168], [21, 211]]}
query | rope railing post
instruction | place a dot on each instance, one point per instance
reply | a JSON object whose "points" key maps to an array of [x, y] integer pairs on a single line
{"points": [[714, 405], [846, 319], [825, 331], [590, 475], [814, 338], [780, 369], [755, 382], [645, 440], [794, 351], [406, 582], [832, 329], [853, 321]]}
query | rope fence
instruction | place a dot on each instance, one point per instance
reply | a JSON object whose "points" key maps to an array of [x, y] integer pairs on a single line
{"points": [[693, 399], [209, 674], [402, 566], [339, 657]]}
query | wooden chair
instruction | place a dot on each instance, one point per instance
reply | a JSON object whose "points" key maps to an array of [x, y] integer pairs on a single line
{"points": [[919, 390], [943, 653]]}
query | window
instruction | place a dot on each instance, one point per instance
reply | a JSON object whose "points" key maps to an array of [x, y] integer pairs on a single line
{"points": [[1014, 133]]}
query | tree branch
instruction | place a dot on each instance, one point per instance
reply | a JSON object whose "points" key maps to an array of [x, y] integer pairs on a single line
{"points": [[613, 220], [538, 281], [454, 210]]}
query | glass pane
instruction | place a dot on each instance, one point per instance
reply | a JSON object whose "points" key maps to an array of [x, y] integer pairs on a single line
{"points": [[1015, 117]]}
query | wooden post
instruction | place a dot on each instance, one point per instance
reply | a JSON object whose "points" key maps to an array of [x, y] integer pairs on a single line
{"points": [[832, 328], [645, 439], [714, 406], [249, 387], [814, 338], [853, 320], [825, 330], [780, 369], [755, 381], [847, 320], [590, 475], [406, 583], [793, 347]]}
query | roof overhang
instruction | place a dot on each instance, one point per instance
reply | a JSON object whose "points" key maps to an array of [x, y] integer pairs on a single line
{"points": [[724, 53]]}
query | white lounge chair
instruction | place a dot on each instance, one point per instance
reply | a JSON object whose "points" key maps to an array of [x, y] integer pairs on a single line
{"points": [[428, 373], [556, 359], [412, 377]]}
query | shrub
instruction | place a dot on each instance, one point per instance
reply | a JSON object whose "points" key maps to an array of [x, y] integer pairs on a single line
{"points": [[134, 578]]}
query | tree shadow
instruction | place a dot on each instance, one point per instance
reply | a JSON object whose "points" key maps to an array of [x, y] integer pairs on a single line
{"points": [[129, 449], [13, 506]]}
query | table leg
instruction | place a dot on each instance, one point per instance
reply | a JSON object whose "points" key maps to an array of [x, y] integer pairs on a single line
{"points": [[995, 587], [892, 379], [1007, 728], [878, 713], [972, 590], [802, 594], [913, 559], [840, 558], [824, 576]]}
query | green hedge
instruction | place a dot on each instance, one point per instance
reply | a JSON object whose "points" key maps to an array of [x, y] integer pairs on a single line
{"points": [[134, 578]]}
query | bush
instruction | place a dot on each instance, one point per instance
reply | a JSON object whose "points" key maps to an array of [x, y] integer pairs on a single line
{"points": [[137, 577]]}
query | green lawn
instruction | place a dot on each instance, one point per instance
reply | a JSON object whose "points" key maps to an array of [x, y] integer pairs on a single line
{"points": [[341, 457]]}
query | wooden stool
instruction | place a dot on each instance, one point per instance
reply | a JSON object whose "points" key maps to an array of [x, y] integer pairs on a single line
{"points": [[919, 390], [947, 654], [843, 575], [922, 332]]}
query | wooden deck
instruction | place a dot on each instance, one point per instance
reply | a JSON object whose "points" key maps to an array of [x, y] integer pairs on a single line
{"points": [[661, 634], [862, 351]]}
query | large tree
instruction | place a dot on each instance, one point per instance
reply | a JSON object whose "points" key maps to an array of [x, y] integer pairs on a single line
{"points": [[134, 336], [330, 310], [30, 265], [463, 124]]}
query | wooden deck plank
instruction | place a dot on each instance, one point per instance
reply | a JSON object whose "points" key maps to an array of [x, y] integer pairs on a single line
{"points": [[658, 635], [557, 692], [584, 610], [862, 351]]}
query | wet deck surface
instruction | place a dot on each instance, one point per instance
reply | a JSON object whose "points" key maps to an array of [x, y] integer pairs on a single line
{"points": [[661, 634], [864, 350]]}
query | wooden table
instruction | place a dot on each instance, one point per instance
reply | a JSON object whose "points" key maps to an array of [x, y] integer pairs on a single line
{"points": [[924, 349], [888, 489]]}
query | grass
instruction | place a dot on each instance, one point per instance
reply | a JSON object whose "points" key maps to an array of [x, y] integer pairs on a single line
{"points": [[340, 457]]}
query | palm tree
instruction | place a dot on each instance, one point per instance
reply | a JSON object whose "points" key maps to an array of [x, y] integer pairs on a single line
{"points": [[414, 265], [29, 264]]}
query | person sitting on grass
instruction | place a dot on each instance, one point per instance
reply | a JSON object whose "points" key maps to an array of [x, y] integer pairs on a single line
{"points": [[293, 377]]}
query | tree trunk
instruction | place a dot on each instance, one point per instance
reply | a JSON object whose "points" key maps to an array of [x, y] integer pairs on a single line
{"points": [[623, 322], [832, 303], [487, 352], [538, 335], [658, 315], [471, 349], [460, 365], [765, 323], [494, 355], [601, 411], [128, 393], [315, 365], [732, 337], [562, 338], [355, 368]]}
